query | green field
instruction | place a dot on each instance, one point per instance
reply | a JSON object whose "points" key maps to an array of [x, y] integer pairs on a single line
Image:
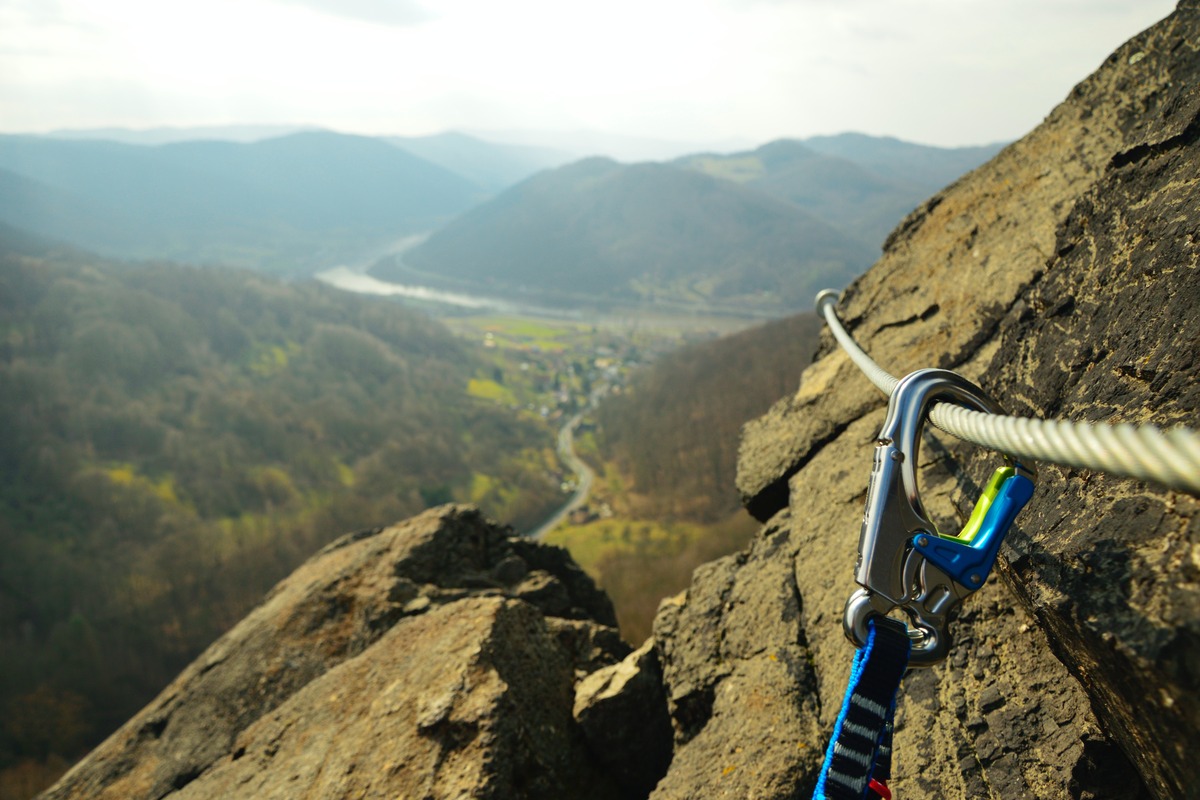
{"points": [[591, 543], [522, 333]]}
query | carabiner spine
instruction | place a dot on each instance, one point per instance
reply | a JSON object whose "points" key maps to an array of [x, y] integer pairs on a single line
{"points": [[902, 559]]}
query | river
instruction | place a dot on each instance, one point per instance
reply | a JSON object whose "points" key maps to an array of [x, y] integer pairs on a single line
{"points": [[350, 279], [661, 316]]}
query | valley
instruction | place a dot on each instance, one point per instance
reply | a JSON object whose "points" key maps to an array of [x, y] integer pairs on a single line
{"points": [[654, 408], [178, 439], [196, 397], [751, 234]]}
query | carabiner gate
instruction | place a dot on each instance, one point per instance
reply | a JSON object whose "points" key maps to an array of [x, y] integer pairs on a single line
{"points": [[903, 561]]}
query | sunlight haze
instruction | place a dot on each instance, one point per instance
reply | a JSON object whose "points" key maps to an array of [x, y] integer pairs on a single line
{"points": [[943, 72]]}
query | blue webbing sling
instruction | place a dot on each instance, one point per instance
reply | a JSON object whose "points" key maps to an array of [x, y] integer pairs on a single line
{"points": [[858, 761]]}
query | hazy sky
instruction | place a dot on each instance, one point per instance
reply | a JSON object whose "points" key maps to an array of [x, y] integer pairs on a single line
{"points": [[946, 72]]}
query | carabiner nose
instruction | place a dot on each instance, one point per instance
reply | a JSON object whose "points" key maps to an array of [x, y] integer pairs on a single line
{"points": [[902, 558]]}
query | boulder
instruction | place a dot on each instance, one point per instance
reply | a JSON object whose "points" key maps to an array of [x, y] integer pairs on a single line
{"points": [[739, 680], [372, 604], [469, 700], [623, 713]]}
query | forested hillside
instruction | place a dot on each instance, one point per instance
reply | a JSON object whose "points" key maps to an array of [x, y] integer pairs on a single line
{"points": [[597, 231], [676, 431], [861, 185], [761, 230], [175, 440], [669, 447], [289, 204]]}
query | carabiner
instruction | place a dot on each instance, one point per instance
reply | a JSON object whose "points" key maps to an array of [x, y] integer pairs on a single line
{"points": [[903, 561]]}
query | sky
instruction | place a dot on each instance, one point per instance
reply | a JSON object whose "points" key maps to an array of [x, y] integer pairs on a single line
{"points": [[942, 72]]}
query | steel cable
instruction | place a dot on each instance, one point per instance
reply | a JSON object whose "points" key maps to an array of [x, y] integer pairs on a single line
{"points": [[1146, 452]]}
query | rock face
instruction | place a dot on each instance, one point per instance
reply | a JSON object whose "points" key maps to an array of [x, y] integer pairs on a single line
{"points": [[1064, 277], [440, 658]]}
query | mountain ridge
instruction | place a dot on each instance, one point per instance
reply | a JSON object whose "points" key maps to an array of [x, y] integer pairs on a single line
{"points": [[602, 231], [641, 232], [304, 200], [311, 199], [860, 184]]}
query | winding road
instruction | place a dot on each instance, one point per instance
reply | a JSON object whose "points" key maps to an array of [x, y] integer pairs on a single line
{"points": [[584, 474]]}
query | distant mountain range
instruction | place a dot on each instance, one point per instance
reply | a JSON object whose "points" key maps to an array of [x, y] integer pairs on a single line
{"points": [[170, 134], [597, 231], [288, 204], [491, 166], [756, 229], [584, 144], [762, 229], [569, 145], [862, 185]]}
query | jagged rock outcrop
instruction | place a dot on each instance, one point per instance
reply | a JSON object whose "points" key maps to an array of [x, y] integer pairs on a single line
{"points": [[435, 658], [442, 658], [623, 713]]}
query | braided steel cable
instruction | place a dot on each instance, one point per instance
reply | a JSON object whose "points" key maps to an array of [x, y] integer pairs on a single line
{"points": [[1145, 452]]}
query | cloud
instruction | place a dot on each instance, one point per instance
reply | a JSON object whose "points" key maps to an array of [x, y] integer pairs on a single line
{"points": [[401, 13]]}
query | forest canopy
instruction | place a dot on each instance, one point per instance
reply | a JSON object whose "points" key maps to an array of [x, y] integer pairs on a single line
{"points": [[676, 431]]}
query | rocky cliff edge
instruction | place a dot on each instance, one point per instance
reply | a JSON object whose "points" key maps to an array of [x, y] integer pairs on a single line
{"points": [[436, 658]]}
